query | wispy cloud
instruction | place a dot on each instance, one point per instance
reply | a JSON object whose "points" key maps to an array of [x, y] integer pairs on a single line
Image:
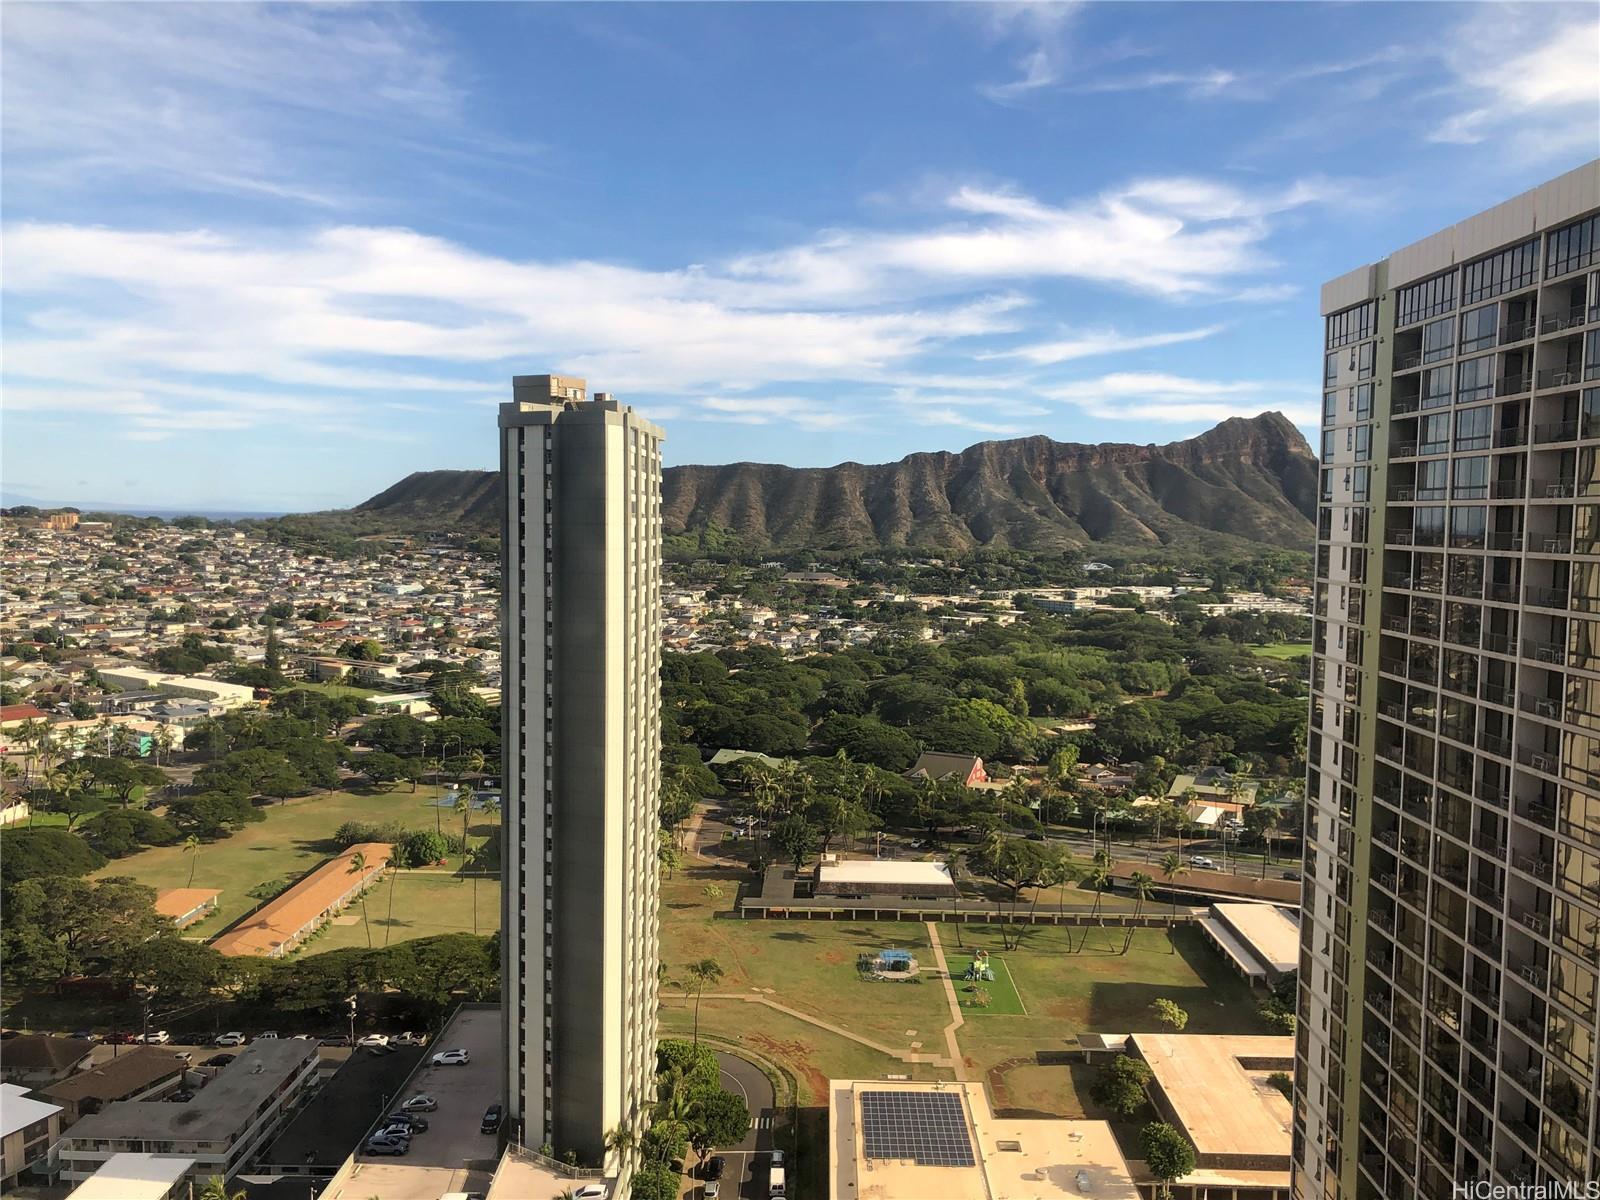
{"points": [[1094, 343], [1555, 80], [1182, 400], [1041, 26]]}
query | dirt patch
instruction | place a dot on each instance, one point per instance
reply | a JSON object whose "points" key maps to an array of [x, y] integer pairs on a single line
{"points": [[834, 958], [797, 1056]]}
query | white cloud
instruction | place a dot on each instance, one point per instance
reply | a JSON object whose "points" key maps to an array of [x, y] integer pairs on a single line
{"points": [[1178, 399], [1550, 91], [1042, 25], [1092, 343]]}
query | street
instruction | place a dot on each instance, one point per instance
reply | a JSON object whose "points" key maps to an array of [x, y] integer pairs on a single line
{"points": [[746, 1173]]}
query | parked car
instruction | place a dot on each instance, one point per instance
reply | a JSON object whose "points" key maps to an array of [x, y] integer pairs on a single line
{"points": [[337, 1039], [712, 1189], [1036, 836], [492, 1116], [715, 1166], [410, 1039], [415, 1120], [303, 1037], [422, 1103], [591, 1191], [400, 1131], [377, 1146], [234, 1038], [121, 1038], [181, 1096], [451, 1058], [775, 1159], [184, 1056], [84, 1035], [373, 1039], [1292, 876], [219, 1060], [270, 1035], [156, 1037]]}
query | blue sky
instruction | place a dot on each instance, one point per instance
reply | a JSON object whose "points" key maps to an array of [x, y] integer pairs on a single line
{"points": [[278, 257]]}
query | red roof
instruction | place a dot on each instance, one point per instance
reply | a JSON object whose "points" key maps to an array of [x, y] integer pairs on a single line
{"points": [[21, 712]]}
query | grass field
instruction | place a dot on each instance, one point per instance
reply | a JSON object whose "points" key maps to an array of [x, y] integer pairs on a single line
{"points": [[1003, 998], [294, 838], [425, 903], [1282, 650], [334, 689]]}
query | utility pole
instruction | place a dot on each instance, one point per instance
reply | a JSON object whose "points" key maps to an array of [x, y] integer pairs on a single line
{"points": [[351, 1000]]}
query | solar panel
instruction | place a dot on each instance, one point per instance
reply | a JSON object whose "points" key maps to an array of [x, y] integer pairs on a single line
{"points": [[929, 1128]]}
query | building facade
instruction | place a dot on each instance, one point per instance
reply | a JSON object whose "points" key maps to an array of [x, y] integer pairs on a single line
{"points": [[581, 562], [1449, 941]]}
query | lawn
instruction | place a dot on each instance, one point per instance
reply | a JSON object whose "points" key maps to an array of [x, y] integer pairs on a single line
{"points": [[425, 903], [1003, 998], [295, 837], [1282, 650], [334, 689]]}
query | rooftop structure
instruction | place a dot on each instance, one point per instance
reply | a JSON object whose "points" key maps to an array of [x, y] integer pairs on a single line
{"points": [[34, 1059], [892, 1140], [136, 1071], [884, 877], [285, 921], [1262, 941], [137, 1177], [1214, 1089], [930, 764], [185, 906]]}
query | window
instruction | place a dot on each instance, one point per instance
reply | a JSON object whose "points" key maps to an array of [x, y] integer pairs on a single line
{"points": [[1352, 325], [1431, 477], [1435, 387], [1576, 246], [1366, 359], [1363, 443], [1363, 398], [1327, 446], [1591, 354], [1472, 428], [1426, 299], [1475, 380], [1330, 370], [1330, 407], [1472, 478], [1435, 434], [1505, 272], [1359, 484], [1478, 327], [1437, 340]]}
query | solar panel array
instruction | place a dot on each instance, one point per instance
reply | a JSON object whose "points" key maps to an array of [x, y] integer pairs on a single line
{"points": [[929, 1128]]}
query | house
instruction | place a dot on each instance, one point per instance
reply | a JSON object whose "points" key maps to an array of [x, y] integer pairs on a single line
{"points": [[1213, 795], [34, 1061], [136, 1073], [723, 757], [28, 1128], [185, 906], [1106, 778], [13, 715], [968, 768]]}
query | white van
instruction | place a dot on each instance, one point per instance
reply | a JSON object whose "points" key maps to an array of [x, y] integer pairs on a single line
{"points": [[775, 1182]]}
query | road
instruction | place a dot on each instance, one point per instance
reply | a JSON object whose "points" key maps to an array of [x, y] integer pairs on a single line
{"points": [[746, 1164]]}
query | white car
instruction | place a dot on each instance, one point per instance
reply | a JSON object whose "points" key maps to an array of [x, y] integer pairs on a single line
{"points": [[451, 1058], [591, 1191], [270, 1035], [1200, 860], [235, 1038], [302, 1037], [411, 1039], [374, 1039], [156, 1037]]}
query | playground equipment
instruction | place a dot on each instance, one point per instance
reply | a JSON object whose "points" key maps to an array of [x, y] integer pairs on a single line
{"points": [[979, 969]]}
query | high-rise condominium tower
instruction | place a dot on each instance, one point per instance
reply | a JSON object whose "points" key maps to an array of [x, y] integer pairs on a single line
{"points": [[581, 572], [1451, 928]]}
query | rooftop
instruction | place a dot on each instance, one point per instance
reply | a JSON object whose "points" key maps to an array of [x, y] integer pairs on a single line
{"points": [[1271, 932], [884, 871], [1216, 1091], [133, 1177], [1010, 1159], [32, 1052], [214, 1115], [180, 902], [18, 1110], [131, 1071], [279, 921]]}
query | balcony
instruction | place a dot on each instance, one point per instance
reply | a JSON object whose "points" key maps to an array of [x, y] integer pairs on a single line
{"points": [[1559, 377], [1494, 744], [1507, 489], [1531, 920], [1395, 624], [1504, 593], [1408, 361], [1556, 543], [1539, 760], [1544, 597], [1511, 384], [1538, 812], [1499, 540], [1510, 438], [1570, 318], [1491, 793], [1392, 709], [1404, 494], [1489, 844], [1545, 652], [1392, 666], [1558, 431], [1517, 331], [1562, 488], [1541, 706], [1397, 537], [1529, 864]]}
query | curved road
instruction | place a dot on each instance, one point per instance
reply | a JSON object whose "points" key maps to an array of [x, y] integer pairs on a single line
{"points": [[746, 1174]]}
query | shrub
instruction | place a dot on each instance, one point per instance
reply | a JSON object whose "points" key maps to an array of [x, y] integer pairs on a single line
{"points": [[125, 831], [420, 847], [1284, 1082], [36, 853], [1120, 1085], [352, 832]]}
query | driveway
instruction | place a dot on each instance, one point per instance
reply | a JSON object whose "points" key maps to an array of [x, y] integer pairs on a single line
{"points": [[746, 1163]]}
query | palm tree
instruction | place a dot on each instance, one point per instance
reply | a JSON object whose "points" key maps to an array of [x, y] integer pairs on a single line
{"points": [[463, 806], [358, 866], [620, 1141], [191, 847], [704, 973], [388, 920], [1143, 885], [951, 862], [163, 742], [217, 1189], [1173, 866], [1098, 878]]}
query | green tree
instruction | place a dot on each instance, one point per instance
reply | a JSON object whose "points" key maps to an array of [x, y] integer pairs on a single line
{"points": [[704, 973], [1173, 866], [216, 1188], [1120, 1085], [191, 847], [40, 853], [1143, 885], [1167, 1153], [797, 838], [719, 1118], [358, 867], [1168, 1013]]}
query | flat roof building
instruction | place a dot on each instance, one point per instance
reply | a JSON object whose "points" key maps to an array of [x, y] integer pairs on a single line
{"points": [[1214, 1089], [884, 877], [893, 1140], [185, 906], [220, 1129], [138, 1177], [28, 1127], [1260, 941]]}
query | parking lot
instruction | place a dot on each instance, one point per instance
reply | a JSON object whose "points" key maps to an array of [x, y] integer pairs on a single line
{"points": [[453, 1155]]}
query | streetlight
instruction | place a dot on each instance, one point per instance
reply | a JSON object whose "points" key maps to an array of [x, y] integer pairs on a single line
{"points": [[351, 1000]]}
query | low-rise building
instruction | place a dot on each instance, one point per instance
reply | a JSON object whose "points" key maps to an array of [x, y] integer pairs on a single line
{"points": [[289, 918], [1260, 941], [137, 1073], [220, 1129], [138, 1177], [185, 906], [968, 768], [28, 1128], [885, 877], [34, 1060]]}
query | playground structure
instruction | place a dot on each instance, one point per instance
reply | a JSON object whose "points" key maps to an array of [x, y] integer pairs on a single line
{"points": [[979, 970], [891, 965]]}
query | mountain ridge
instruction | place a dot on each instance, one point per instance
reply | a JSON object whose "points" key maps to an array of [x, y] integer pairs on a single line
{"points": [[1250, 478]]}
